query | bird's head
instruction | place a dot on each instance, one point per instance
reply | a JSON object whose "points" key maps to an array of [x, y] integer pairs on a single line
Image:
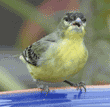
{"points": [[74, 23]]}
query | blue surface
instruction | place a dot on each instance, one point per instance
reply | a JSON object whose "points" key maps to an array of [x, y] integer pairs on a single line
{"points": [[59, 98]]}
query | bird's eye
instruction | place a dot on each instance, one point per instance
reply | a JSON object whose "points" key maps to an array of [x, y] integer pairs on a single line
{"points": [[66, 19], [84, 19]]}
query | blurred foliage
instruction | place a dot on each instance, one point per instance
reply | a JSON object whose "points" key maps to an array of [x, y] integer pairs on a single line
{"points": [[7, 82], [28, 13], [101, 10]]}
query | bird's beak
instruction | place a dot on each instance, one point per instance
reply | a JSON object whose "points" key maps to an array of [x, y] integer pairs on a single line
{"points": [[77, 22]]}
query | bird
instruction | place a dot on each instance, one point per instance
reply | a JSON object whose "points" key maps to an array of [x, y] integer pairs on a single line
{"points": [[60, 54]]}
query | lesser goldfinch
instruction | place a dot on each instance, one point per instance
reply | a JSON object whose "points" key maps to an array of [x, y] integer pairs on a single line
{"points": [[59, 55]]}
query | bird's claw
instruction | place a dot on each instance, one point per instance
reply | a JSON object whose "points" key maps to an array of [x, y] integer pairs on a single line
{"points": [[46, 89], [79, 85]]}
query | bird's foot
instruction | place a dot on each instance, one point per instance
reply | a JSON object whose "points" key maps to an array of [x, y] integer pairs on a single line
{"points": [[78, 85], [44, 88]]}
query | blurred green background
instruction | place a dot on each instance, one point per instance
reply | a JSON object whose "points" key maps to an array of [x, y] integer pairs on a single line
{"points": [[24, 22]]}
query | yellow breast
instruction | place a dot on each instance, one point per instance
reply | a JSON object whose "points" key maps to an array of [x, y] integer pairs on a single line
{"points": [[63, 61]]}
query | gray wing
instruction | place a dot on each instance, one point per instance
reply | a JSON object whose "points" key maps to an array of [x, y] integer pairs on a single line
{"points": [[33, 52]]}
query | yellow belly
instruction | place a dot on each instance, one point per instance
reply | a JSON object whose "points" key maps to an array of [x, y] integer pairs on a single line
{"points": [[62, 62]]}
